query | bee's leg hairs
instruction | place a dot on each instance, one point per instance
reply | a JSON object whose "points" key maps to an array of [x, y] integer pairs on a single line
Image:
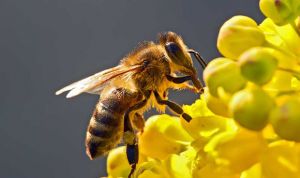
{"points": [[138, 122], [173, 106]]}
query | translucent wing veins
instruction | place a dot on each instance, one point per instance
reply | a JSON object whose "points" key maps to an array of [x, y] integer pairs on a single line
{"points": [[97, 81]]}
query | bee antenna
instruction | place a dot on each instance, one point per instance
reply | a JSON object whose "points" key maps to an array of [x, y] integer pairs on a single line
{"points": [[198, 57]]}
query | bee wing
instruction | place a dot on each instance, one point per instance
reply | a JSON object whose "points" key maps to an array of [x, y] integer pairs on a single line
{"points": [[95, 83]]}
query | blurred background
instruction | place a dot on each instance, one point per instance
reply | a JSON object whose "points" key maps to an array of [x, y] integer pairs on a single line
{"points": [[47, 44]]}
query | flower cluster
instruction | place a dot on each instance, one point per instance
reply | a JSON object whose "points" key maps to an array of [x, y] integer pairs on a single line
{"points": [[257, 80], [247, 123]]}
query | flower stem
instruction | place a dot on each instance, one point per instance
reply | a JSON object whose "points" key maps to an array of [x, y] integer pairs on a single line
{"points": [[296, 28]]}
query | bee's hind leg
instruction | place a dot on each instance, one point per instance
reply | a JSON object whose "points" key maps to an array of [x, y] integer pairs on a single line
{"points": [[132, 149], [138, 122], [130, 139], [173, 106]]}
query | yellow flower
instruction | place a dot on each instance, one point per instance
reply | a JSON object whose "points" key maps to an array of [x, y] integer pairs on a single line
{"points": [[163, 135], [175, 166], [204, 123], [285, 38], [260, 94], [281, 159], [216, 105], [117, 164], [212, 170], [236, 151], [151, 168], [253, 172]]}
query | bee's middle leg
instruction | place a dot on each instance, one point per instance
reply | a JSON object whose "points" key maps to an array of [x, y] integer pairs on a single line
{"points": [[130, 139], [173, 106]]}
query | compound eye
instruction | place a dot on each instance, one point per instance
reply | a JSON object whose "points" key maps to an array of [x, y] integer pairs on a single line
{"points": [[175, 53], [172, 48]]}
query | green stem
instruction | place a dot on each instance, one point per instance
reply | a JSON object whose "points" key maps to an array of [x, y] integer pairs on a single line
{"points": [[294, 73], [287, 70], [270, 45], [294, 25], [287, 92]]}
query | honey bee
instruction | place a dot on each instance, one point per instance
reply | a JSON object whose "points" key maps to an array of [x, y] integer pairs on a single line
{"points": [[139, 82]]}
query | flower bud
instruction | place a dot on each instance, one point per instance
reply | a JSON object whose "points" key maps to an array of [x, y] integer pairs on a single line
{"points": [[251, 108], [286, 119], [225, 73], [217, 106], [258, 65], [237, 35], [280, 11]]}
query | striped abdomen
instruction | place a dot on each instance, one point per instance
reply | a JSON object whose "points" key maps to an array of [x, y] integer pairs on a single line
{"points": [[106, 125], [105, 129]]}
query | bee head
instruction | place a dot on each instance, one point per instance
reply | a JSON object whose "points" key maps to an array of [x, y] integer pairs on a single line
{"points": [[178, 54]]}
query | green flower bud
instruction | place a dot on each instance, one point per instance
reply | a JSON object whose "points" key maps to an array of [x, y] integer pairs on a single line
{"points": [[258, 65], [280, 11], [237, 35], [251, 107], [286, 119], [225, 73]]}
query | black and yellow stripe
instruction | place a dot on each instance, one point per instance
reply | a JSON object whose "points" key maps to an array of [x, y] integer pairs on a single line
{"points": [[104, 131]]}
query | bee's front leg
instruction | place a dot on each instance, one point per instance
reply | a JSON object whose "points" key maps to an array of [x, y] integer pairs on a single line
{"points": [[181, 82], [178, 80], [173, 106], [129, 137]]}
